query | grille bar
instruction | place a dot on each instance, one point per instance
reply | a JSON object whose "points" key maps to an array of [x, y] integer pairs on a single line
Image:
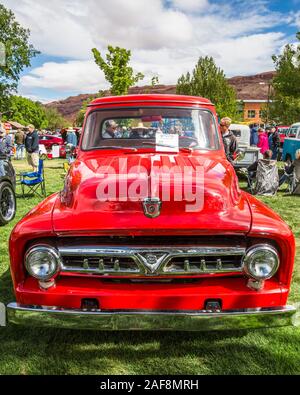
{"points": [[141, 261]]}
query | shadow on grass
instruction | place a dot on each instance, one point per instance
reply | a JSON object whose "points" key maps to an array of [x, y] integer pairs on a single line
{"points": [[65, 352], [6, 288]]}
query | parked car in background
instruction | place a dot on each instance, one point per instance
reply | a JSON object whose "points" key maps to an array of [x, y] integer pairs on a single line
{"points": [[151, 231], [283, 133], [248, 154], [291, 143], [7, 191], [49, 141]]}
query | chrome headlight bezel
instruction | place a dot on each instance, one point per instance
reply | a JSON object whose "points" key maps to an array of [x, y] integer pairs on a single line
{"points": [[250, 256], [52, 254]]}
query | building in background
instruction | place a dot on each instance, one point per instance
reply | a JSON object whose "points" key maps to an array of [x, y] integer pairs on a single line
{"points": [[253, 92]]}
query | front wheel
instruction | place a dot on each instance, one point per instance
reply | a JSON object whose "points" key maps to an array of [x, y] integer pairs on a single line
{"points": [[7, 203]]}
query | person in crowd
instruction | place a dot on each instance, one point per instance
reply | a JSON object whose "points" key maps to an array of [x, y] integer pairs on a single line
{"points": [[32, 147], [78, 134], [5, 143], [254, 135], [20, 143], [265, 171], [229, 139], [71, 144], [274, 142], [110, 129], [262, 142], [71, 137], [292, 169]]}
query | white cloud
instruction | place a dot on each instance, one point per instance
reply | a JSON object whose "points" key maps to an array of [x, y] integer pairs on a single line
{"points": [[72, 76], [297, 19], [191, 5], [165, 40], [71, 28], [55, 26], [245, 55]]}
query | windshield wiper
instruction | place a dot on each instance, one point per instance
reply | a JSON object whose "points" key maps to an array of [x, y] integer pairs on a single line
{"points": [[117, 147]]}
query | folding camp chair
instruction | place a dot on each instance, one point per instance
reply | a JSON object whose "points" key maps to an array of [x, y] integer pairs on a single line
{"points": [[267, 178], [34, 181], [294, 185]]}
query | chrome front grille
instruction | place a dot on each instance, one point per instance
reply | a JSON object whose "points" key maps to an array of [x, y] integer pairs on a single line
{"points": [[203, 264], [99, 261], [145, 261]]}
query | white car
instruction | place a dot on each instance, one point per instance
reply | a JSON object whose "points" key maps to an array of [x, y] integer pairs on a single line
{"points": [[249, 154]]}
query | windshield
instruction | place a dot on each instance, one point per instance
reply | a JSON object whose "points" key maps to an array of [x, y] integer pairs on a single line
{"points": [[293, 131], [162, 129]]}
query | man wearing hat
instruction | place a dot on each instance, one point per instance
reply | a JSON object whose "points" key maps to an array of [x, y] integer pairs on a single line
{"points": [[110, 129], [5, 143], [229, 139], [32, 147]]}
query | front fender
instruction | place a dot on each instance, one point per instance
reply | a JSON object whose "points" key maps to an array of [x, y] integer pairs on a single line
{"points": [[36, 224], [269, 225]]}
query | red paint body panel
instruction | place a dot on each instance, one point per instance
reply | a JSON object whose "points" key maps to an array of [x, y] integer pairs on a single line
{"points": [[226, 212], [233, 292]]}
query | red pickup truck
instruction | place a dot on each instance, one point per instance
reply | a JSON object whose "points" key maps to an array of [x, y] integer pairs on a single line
{"points": [[151, 231]]}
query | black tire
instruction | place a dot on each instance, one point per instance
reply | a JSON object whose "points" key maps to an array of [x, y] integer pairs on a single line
{"points": [[7, 203]]}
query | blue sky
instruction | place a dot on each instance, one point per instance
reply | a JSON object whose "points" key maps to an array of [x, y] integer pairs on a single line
{"points": [[166, 38]]}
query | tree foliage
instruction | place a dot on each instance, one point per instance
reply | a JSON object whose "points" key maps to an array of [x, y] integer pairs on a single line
{"points": [[26, 111], [54, 119], [117, 70], [285, 105], [18, 53], [81, 113], [208, 80]]}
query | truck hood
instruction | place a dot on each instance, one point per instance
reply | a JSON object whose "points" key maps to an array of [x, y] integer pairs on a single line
{"points": [[207, 201]]}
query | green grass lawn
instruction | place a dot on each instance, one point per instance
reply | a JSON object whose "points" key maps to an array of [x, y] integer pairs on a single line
{"points": [[54, 351]]}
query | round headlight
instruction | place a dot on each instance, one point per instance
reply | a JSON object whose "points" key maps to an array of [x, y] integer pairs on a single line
{"points": [[261, 262], [42, 262]]}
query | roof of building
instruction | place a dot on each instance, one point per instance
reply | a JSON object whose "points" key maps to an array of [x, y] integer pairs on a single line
{"points": [[16, 125]]}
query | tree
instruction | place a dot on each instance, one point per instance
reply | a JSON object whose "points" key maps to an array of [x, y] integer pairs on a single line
{"points": [[54, 119], [117, 70], [285, 99], [154, 81], [81, 113], [18, 53], [26, 111], [207, 80]]}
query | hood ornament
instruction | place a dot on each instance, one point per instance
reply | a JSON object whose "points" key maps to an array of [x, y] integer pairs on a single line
{"points": [[152, 207]]}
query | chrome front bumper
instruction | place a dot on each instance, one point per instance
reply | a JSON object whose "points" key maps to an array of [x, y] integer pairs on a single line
{"points": [[147, 320]]}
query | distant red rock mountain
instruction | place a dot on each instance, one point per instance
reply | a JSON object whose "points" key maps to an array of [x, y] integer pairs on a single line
{"points": [[254, 87]]}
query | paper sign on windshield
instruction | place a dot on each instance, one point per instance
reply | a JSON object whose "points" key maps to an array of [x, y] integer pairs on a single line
{"points": [[167, 142]]}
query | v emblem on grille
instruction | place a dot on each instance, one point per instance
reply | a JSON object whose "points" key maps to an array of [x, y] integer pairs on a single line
{"points": [[152, 260]]}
